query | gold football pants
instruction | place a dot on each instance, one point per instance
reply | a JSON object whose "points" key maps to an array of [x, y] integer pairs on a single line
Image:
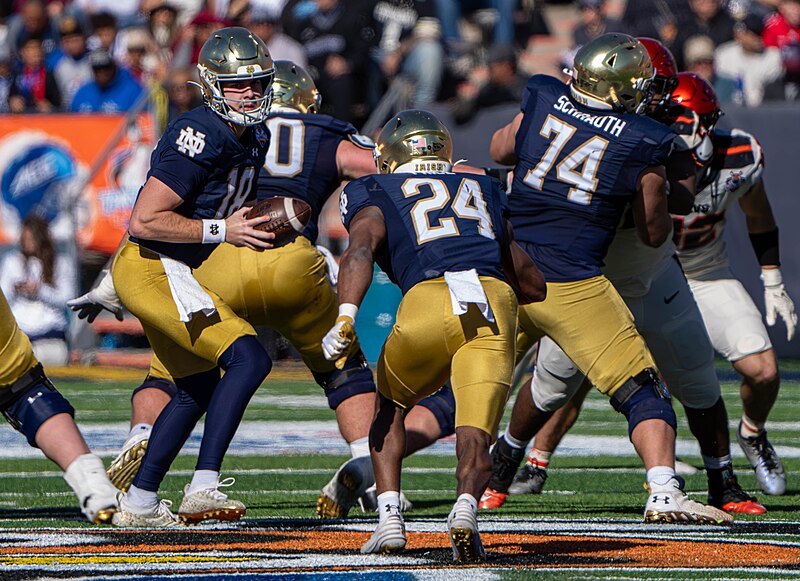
{"points": [[429, 344], [591, 323]]}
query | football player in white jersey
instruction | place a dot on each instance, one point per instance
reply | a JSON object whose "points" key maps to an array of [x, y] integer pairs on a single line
{"points": [[656, 292]]}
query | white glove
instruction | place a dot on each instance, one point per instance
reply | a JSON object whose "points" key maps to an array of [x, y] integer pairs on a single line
{"points": [[337, 342], [102, 296], [331, 266], [777, 301]]}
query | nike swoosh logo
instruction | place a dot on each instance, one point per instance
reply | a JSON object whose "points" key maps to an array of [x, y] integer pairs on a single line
{"points": [[668, 300]]}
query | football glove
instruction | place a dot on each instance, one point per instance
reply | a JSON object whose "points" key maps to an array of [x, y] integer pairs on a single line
{"points": [[777, 301], [102, 296], [338, 342], [331, 266]]}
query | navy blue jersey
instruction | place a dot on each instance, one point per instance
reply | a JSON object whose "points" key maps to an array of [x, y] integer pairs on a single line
{"points": [[434, 223], [301, 161], [201, 160], [577, 169]]}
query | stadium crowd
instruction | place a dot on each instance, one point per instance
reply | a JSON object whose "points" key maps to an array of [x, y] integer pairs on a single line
{"points": [[87, 56]]}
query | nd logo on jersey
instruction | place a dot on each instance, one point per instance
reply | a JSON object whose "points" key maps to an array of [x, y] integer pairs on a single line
{"points": [[191, 143]]}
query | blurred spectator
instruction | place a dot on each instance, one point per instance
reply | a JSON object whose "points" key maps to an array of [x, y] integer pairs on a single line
{"points": [[34, 88], [333, 33], [451, 11], [407, 41], [37, 284], [183, 97], [193, 36], [266, 23], [113, 89], [659, 19], [33, 20], [73, 69], [698, 54], [758, 72], [783, 32], [502, 85], [594, 22], [709, 18]]}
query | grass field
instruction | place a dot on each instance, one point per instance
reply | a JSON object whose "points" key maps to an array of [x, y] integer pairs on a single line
{"points": [[585, 526]]}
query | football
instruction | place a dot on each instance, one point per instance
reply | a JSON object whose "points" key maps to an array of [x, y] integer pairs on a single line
{"points": [[287, 217]]}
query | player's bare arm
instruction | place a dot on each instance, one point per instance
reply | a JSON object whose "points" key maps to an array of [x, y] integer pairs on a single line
{"points": [[367, 233], [501, 149], [653, 223], [154, 218], [521, 272], [682, 177]]}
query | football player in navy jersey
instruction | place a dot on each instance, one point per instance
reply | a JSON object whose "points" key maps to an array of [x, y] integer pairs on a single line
{"points": [[582, 153], [443, 238], [202, 171]]}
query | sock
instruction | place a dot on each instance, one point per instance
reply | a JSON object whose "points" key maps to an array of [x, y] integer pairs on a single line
{"points": [[712, 463], [660, 475], [750, 428], [360, 447], [140, 501], [388, 505], [512, 441], [539, 458], [202, 480], [138, 429], [470, 500]]}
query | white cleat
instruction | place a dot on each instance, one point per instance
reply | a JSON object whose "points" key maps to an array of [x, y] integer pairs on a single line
{"points": [[97, 496], [210, 504], [668, 503], [462, 526], [389, 537], [124, 467], [158, 518], [764, 460], [347, 485]]}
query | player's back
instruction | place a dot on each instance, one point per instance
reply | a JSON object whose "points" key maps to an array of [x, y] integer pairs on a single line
{"points": [[301, 161], [577, 169], [435, 223]]}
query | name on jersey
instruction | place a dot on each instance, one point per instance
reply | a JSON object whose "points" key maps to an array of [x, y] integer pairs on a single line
{"points": [[608, 123], [191, 143]]}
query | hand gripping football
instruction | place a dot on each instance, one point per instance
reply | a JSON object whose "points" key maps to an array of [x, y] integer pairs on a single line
{"points": [[287, 217]]}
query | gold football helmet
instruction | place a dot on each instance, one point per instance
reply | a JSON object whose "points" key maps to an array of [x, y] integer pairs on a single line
{"points": [[414, 140], [613, 69], [233, 55], [293, 88]]}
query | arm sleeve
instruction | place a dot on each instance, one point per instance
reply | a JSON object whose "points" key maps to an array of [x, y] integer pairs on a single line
{"points": [[352, 200]]}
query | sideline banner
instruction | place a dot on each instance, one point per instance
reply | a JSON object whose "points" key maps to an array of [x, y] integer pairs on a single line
{"points": [[46, 160]]}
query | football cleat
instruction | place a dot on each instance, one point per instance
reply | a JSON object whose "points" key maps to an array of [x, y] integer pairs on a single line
{"points": [[389, 537], [86, 475], [724, 492], [125, 466], [462, 525], [343, 491], [770, 475], [369, 501], [210, 504], [529, 480], [668, 503], [160, 517], [492, 499]]}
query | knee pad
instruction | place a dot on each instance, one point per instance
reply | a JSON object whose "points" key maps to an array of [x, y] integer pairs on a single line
{"points": [[442, 405], [644, 397], [153, 382], [31, 401], [353, 379]]}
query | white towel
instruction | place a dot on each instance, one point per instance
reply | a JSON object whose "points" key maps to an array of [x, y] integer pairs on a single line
{"points": [[465, 288], [189, 296]]}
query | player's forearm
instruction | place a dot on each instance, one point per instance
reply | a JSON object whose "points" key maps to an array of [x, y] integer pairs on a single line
{"points": [[355, 275]]}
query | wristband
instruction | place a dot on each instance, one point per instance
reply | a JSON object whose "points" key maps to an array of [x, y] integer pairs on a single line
{"points": [[213, 231], [771, 277], [348, 310], [765, 245]]}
